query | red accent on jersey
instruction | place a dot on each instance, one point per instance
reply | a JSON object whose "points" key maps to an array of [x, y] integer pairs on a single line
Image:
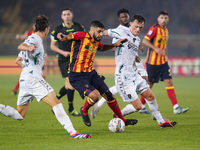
{"points": [[29, 32]]}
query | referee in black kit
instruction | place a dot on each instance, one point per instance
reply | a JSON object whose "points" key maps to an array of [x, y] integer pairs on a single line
{"points": [[63, 49]]}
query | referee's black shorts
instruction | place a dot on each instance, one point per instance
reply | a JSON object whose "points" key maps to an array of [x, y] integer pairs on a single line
{"points": [[64, 66]]}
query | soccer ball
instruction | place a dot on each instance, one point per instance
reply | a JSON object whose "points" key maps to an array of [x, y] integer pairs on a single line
{"points": [[116, 125]]}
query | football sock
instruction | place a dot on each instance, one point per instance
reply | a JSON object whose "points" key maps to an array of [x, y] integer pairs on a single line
{"points": [[153, 106], [70, 96], [16, 86], [171, 94], [115, 108], [63, 118], [113, 90], [128, 109], [88, 103], [62, 92], [10, 112], [101, 102], [143, 106], [175, 106]]}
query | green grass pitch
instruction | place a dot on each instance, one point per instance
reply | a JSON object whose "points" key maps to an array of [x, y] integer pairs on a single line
{"points": [[41, 131]]}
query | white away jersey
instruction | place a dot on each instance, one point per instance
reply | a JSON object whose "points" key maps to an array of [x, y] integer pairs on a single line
{"points": [[34, 61], [125, 55]]}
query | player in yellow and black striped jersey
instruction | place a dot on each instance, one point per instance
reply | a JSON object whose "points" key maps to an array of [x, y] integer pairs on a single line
{"points": [[156, 60], [63, 49], [83, 77]]}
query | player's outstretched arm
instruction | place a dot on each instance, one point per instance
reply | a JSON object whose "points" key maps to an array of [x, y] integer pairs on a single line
{"points": [[25, 47], [63, 37], [21, 36], [110, 46]]}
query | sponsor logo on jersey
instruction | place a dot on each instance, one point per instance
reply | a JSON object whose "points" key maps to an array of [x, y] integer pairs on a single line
{"points": [[149, 33]]}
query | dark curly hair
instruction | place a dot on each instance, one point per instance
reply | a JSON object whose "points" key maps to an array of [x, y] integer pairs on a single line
{"points": [[123, 10], [41, 22]]}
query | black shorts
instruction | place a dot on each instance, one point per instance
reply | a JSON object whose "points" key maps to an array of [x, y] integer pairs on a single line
{"points": [[156, 72], [64, 66], [86, 82]]}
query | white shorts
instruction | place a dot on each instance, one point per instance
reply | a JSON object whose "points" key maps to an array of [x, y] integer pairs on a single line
{"points": [[141, 69], [33, 88], [129, 86]]}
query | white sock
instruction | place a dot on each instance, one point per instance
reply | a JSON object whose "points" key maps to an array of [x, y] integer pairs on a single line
{"points": [[63, 118], [143, 106], [153, 106], [113, 90], [101, 102], [10, 112], [128, 109], [175, 106]]}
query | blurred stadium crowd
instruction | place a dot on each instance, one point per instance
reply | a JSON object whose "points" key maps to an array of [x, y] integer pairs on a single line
{"points": [[17, 16]]}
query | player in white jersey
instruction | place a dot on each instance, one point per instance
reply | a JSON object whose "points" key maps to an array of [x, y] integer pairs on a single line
{"points": [[123, 16], [33, 85], [127, 80]]}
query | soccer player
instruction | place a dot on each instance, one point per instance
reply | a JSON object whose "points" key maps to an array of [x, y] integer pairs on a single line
{"points": [[23, 37], [63, 49], [127, 79], [32, 83], [82, 75], [123, 16], [156, 60]]}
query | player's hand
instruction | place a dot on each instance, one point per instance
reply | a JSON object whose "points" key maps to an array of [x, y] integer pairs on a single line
{"points": [[66, 54], [137, 59], [160, 51], [120, 42], [31, 48], [141, 47], [17, 36], [60, 36]]}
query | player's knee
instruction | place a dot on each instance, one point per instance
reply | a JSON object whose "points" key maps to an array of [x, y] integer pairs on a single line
{"points": [[151, 97], [109, 95], [94, 95], [169, 82]]}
